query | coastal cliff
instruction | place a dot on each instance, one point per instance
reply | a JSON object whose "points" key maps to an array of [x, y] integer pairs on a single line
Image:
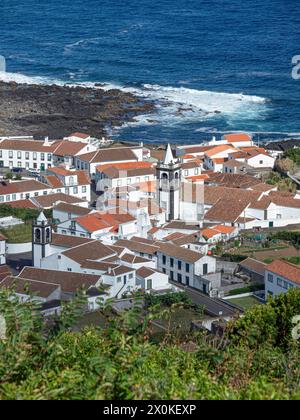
{"points": [[56, 111]]}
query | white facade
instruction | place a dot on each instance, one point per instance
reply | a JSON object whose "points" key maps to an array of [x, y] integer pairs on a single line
{"points": [[184, 272], [14, 195], [277, 284], [2, 251], [103, 182]]}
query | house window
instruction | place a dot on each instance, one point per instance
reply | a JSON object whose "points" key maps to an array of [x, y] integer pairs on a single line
{"points": [[27, 155], [8, 198], [10, 154], [1, 198], [44, 192], [75, 190], [49, 157], [261, 162], [179, 265], [34, 156], [131, 275], [187, 268], [149, 284], [186, 173], [138, 180], [119, 183], [128, 181], [164, 260], [172, 275], [179, 278], [69, 269], [270, 278], [171, 262], [196, 171], [19, 155], [83, 189], [14, 197], [42, 156], [19, 164], [279, 282], [119, 279], [36, 194], [285, 285], [164, 270]]}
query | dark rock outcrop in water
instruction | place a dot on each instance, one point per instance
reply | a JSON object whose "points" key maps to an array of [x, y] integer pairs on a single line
{"points": [[57, 111]]}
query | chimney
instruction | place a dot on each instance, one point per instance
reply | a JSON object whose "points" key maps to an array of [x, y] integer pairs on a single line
{"points": [[109, 270], [46, 142]]}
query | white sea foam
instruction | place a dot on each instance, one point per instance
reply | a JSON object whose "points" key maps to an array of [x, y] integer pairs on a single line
{"points": [[175, 105]]}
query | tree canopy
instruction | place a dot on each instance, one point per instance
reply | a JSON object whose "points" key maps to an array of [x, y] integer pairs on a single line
{"points": [[256, 359]]}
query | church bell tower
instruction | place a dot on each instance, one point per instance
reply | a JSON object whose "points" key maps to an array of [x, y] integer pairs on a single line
{"points": [[168, 175], [41, 239]]}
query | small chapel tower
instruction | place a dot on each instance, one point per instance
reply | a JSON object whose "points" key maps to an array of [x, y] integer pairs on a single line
{"points": [[41, 239], [168, 175]]}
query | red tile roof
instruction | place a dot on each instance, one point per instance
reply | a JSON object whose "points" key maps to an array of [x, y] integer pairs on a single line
{"points": [[237, 137], [96, 221], [285, 269], [21, 187]]}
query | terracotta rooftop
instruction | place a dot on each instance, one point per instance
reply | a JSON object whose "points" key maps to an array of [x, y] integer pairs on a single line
{"points": [[96, 221], [237, 137], [69, 282], [27, 286], [92, 250], [285, 269], [21, 187], [47, 201], [23, 204], [109, 155], [227, 209], [80, 135], [254, 265], [183, 254], [66, 241], [72, 209]]}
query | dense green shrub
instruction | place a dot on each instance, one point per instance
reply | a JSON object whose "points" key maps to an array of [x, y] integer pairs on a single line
{"points": [[257, 360]]}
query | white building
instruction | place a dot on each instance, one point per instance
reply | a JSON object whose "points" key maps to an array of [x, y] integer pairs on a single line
{"points": [[2, 250], [280, 276], [105, 227], [39, 155], [20, 190], [185, 266], [71, 182], [90, 161], [151, 279], [116, 175]]}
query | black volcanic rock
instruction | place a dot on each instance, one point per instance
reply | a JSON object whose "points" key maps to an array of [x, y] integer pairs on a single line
{"points": [[56, 111]]}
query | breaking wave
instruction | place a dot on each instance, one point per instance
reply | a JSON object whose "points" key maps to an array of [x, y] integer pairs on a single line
{"points": [[175, 105]]}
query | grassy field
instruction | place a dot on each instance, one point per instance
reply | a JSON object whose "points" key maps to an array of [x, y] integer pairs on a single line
{"points": [[245, 302], [18, 234]]}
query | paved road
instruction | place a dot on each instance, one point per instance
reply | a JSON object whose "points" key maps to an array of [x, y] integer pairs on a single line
{"points": [[19, 261], [213, 307]]}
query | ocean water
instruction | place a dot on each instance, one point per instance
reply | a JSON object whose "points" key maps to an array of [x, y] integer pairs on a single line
{"points": [[212, 66]]}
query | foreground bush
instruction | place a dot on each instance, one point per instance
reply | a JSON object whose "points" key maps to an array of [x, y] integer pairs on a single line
{"points": [[258, 359]]}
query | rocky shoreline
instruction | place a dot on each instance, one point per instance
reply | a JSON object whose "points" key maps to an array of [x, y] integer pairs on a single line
{"points": [[56, 111]]}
